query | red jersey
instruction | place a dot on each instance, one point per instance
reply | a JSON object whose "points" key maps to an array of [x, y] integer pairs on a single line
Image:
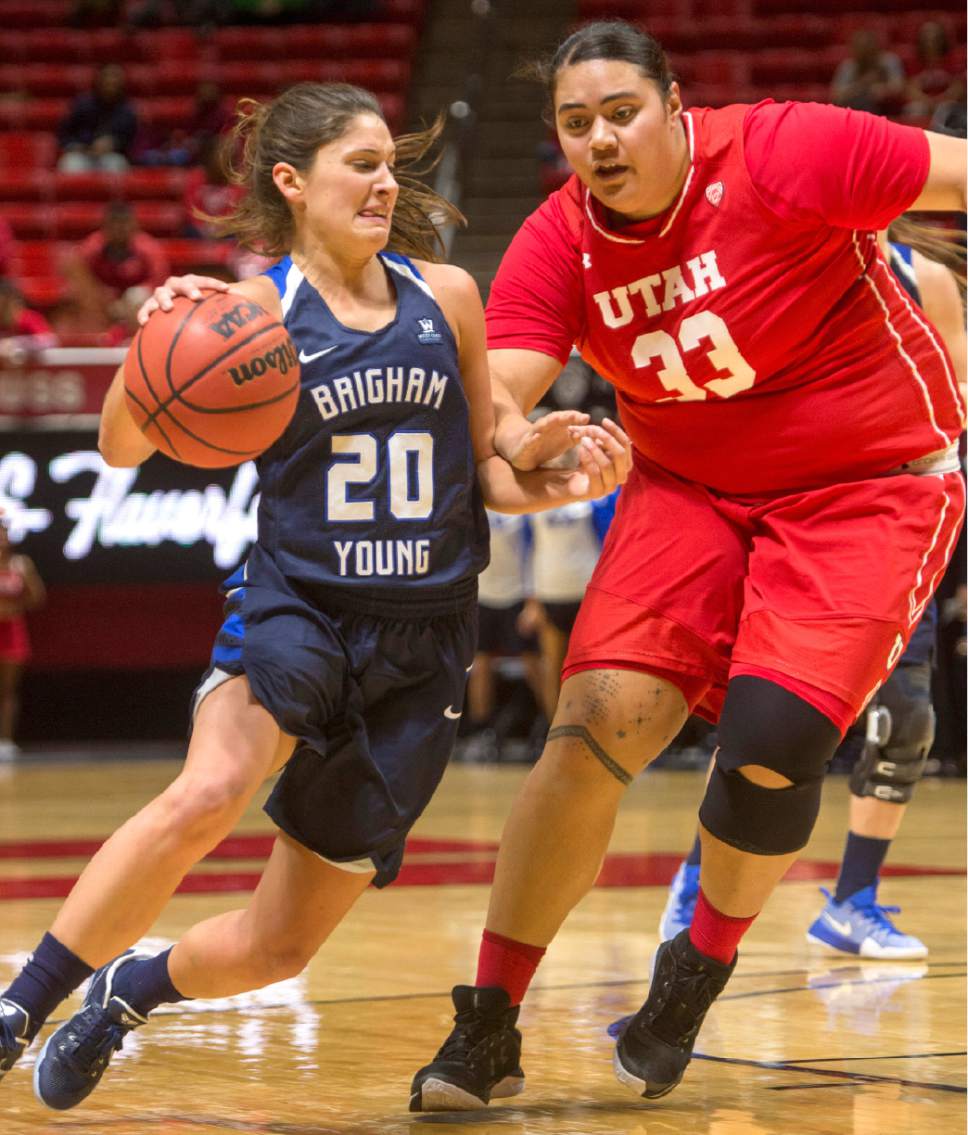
{"points": [[755, 335]]}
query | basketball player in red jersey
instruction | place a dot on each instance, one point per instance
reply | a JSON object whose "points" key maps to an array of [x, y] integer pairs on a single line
{"points": [[21, 590], [793, 503]]}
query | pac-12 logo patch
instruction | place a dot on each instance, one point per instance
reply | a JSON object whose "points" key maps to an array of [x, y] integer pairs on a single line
{"points": [[714, 193], [427, 334]]}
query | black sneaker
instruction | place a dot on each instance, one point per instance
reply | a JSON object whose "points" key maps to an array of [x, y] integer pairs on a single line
{"points": [[14, 1038], [655, 1046], [76, 1055], [479, 1061]]}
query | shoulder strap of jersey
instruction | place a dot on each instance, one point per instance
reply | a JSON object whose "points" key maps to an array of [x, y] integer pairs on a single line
{"points": [[277, 273], [403, 266], [287, 278]]}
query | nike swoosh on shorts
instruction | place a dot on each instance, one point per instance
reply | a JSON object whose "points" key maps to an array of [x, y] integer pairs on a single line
{"points": [[449, 712]]}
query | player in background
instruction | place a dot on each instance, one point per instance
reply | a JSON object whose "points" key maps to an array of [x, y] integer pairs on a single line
{"points": [[898, 727], [349, 628], [21, 590], [794, 499], [502, 587], [565, 545]]}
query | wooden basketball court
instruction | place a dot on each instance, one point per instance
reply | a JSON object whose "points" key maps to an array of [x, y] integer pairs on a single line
{"points": [[803, 1041]]}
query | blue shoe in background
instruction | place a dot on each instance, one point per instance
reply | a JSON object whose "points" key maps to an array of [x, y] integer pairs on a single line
{"points": [[681, 903], [860, 925]]}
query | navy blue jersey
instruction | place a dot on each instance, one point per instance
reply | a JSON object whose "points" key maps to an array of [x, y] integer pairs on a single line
{"points": [[902, 264], [372, 491]]}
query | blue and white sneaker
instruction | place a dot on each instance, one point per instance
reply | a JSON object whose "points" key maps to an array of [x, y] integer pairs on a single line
{"points": [[14, 1034], [76, 1055], [681, 903], [859, 925]]}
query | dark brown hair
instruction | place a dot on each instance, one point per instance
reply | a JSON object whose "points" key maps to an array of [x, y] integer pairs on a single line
{"points": [[291, 129], [931, 239], [603, 39]]}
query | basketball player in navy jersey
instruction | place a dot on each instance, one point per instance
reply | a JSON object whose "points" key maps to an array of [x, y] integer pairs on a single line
{"points": [[349, 630]]}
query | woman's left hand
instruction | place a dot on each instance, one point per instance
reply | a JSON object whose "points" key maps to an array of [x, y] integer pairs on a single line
{"points": [[605, 460]]}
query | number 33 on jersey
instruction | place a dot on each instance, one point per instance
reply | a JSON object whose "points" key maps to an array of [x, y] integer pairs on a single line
{"points": [[376, 468]]}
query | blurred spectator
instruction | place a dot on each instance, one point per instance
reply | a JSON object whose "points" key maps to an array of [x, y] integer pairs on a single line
{"points": [[21, 590], [936, 81], [100, 126], [566, 543], [184, 145], [110, 262], [870, 79], [502, 589], [208, 191], [21, 328]]}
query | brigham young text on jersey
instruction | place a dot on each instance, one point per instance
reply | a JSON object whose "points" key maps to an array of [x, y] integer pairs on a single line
{"points": [[381, 455]]}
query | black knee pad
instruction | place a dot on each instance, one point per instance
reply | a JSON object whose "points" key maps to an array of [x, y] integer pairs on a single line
{"points": [[900, 738], [764, 724], [762, 821]]}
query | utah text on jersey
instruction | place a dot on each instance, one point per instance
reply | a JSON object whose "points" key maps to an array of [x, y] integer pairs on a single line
{"points": [[672, 284]]}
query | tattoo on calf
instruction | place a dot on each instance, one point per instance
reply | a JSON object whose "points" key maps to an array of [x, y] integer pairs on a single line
{"points": [[596, 750]]}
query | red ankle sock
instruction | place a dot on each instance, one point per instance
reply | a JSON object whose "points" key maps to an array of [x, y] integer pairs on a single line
{"points": [[508, 964], [716, 935]]}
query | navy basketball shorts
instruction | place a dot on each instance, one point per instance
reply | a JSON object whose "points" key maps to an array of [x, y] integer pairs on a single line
{"points": [[562, 615], [498, 631], [374, 701]]}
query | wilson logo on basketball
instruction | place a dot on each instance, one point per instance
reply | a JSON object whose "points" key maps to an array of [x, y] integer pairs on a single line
{"points": [[281, 358], [235, 319]]}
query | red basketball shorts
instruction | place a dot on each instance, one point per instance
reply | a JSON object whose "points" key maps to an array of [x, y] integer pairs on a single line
{"points": [[817, 590]]}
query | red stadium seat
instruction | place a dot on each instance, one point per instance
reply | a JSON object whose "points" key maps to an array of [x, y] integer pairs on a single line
{"points": [[42, 291], [164, 112], [792, 66], [268, 79], [322, 41], [184, 255], [75, 220], [716, 67], [63, 45], [36, 257], [153, 184], [32, 114], [29, 221], [25, 149], [85, 186], [35, 13], [136, 184], [45, 80], [25, 184], [160, 218], [167, 44]]}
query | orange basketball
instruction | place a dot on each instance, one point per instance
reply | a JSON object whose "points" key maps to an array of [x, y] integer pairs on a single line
{"points": [[212, 382]]}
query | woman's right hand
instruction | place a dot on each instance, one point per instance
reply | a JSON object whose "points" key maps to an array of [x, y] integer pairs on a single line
{"points": [[190, 286]]}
